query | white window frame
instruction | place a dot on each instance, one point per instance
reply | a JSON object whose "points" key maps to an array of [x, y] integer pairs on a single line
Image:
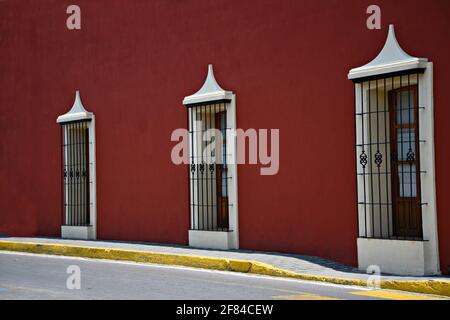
{"points": [[76, 113], [406, 257], [210, 92]]}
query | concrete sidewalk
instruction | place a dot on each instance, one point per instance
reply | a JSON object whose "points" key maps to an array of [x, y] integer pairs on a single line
{"points": [[297, 266]]}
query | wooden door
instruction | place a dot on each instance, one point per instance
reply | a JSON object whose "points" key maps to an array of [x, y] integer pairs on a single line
{"points": [[222, 173], [405, 175]]}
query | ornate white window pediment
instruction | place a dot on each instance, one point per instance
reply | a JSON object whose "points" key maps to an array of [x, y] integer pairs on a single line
{"points": [[77, 112], [209, 92], [391, 59]]}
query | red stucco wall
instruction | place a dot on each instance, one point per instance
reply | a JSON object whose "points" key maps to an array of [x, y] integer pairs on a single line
{"points": [[134, 61]]}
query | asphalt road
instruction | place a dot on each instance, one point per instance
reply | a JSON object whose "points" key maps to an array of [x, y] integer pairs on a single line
{"points": [[32, 276]]}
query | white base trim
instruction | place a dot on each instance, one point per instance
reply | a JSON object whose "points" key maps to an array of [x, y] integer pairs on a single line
{"points": [[401, 257], [78, 232], [213, 239]]}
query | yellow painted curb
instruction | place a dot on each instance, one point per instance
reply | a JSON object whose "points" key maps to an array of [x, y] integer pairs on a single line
{"points": [[247, 266]]}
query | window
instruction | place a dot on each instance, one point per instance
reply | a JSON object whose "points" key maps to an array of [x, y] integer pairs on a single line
{"points": [[209, 202], [388, 171], [213, 205], [76, 200], [78, 177], [395, 172]]}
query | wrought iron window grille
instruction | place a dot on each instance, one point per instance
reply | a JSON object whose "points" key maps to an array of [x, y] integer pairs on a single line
{"points": [[76, 180], [208, 171], [388, 162]]}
